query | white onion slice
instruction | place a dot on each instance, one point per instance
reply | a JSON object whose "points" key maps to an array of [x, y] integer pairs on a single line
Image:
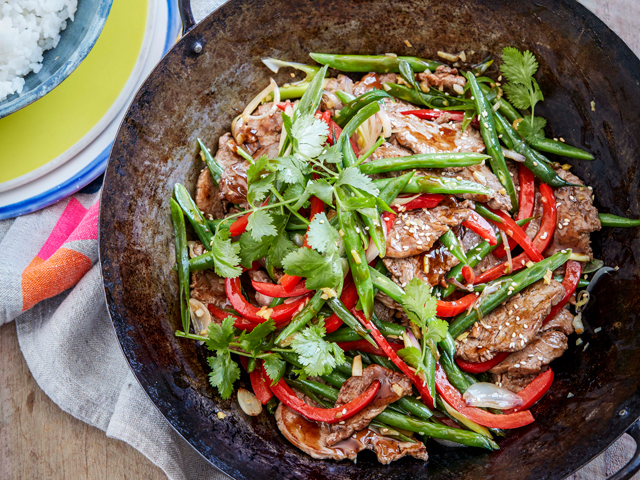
{"points": [[507, 248], [372, 252], [253, 104], [513, 155], [404, 200], [489, 395], [356, 367], [410, 340], [249, 403], [578, 326], [386, 123], [200, 316]]}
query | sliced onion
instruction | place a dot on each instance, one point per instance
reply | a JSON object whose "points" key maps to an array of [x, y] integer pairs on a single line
{"points": [[249, 403], [369, 132], [200, 316], [489, 395], [578, 326], [579, 257], [386, 123], [513, 155], [235, 125], [384, 223], [507, 248], [410, 340], [253, 104], [404, 200], [582, 300], [332, 99], [356, 367], [372, 252]]}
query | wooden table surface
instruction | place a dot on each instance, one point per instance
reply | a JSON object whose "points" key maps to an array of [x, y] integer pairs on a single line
{"points": [[40, 441]]}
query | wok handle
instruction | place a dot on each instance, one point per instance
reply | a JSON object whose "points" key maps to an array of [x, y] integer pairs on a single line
{"points": [[630, 469], [186, 15]]}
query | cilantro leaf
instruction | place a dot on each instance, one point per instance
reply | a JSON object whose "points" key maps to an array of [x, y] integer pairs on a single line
{"points": [[436, 331], [321, 235], [320, 188], [517, 66], [293, 191], [258, 190], [280, 248], [251, 341], [531, 129], [256, 170], [225, 255], [273, 247], [291, 169], [352, 176], [274, 366], [260, 225], [253, 250], [331, 154], [220, 335], [224, 373], [356, 203], [418, 303], [518, 95], [317, 356], [413, 357], [309, 135], [319, 270], [522, 90]]}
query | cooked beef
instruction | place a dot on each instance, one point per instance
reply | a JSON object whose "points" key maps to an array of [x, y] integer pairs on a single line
{"points": [[577, 217], [443, 78], [311, 437], [515, 384], [262, 136], [437, 262], [386, 300], [562, 322], [383, 312], [416, 231], [426, 136], [544, 348], [395, 105], [389, 449], [510, 327], [371, 81], [208, 196], [404, 269], [207, 287], [329, 99], [393, 386], [534, 225], [389, 150], [233, 181], [471, 239], [260, 276]]}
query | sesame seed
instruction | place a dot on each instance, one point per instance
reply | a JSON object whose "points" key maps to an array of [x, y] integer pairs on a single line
{"points": [[526, 326], [321, 222], [517, 365], [597, 330], [513, 335]]}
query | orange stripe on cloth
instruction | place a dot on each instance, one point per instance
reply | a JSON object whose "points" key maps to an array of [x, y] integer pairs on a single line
{"points": [[44, 279]]}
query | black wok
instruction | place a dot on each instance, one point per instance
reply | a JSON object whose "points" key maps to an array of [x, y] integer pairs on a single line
{"points": [[211, 74]]}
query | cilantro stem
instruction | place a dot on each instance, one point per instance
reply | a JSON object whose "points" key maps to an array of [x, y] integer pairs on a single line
{"points": [[245, 155], [191, 336], [286, 203]]}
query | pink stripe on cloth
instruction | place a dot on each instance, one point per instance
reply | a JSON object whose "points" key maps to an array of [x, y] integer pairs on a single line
{"points": [[88, 227], [67, 223]]}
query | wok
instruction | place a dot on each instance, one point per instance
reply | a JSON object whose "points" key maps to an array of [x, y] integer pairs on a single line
{"points": [[210, 75]]}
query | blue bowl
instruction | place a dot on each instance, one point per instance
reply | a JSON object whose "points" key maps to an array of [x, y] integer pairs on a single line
{"points": [[76, 41]]}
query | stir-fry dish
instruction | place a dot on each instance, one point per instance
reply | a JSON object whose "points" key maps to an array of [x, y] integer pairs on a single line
{"points": [[392, 249]]}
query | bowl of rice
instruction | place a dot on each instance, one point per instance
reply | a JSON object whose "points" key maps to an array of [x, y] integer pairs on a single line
{"points": [[41, 43]]}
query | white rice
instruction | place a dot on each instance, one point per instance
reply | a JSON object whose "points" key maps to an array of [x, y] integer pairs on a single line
{"points": [[27, 29]]}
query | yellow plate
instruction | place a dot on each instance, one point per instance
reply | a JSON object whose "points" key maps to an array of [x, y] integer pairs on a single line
{"points": [[43, 131]]}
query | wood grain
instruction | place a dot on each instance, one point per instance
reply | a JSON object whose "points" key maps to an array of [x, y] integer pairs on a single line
{"points": [[40, 441]]}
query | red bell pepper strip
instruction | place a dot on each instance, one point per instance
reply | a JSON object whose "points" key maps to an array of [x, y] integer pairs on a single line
{"points": [[428, 114], [516, 232], [286, 311], [541, 241], [239, 322], [388, 349], [468, 274], [349, 298], [283, 106], [479, 367], [289, 282], [286, 395], [534, 391], [482, 227], [335, 130], [278, 291], [451, 309], [527, 181], [481, 417], [389, 219], [426, 200], [260, 389], [570, 283], [239, 226], [366, 347]]}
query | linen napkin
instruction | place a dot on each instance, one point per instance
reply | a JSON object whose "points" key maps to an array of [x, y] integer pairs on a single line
{"points": [[50, 285]]}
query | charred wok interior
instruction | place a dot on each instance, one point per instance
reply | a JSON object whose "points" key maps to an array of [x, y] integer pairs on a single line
{"points": [[388, 250]]}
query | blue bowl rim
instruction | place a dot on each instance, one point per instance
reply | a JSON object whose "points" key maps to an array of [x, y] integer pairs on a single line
{"points": [[87, 43]]}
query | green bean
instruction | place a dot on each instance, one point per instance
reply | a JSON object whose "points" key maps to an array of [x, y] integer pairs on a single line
{"points": [[454, 374], [301, 319], [214, 167], [582, 283], [506, 289], [431, 184], [348, 319], [425, 160], [372, 63], [388, 328], [475, 256], [534, 161], [373, 225], [349, 158], [272, 405], [310, 101], [386, 285], [482, 67], [251, 364], [560, 148], [393, 187], [609, 220], [432, 99], [356, 256], [194, 215], [213, 224], [350, 109], [491, 141], [384, 362], [452, 243], [344, 97], [182, 259]]}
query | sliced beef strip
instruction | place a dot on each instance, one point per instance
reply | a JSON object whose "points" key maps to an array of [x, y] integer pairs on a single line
{"points": [[383, 312], [515, 384], [534, 225], [510, 327], [437, 262], [371, 81], [577, 217], [233, 180], [207, 287], [389, 449], [562, 322], [545, 347], [393, 386], [471, 239], [443, 78], [208, 196], [404, 269], [262, 136], [389, 150], [396, 105], [416, 231]]}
